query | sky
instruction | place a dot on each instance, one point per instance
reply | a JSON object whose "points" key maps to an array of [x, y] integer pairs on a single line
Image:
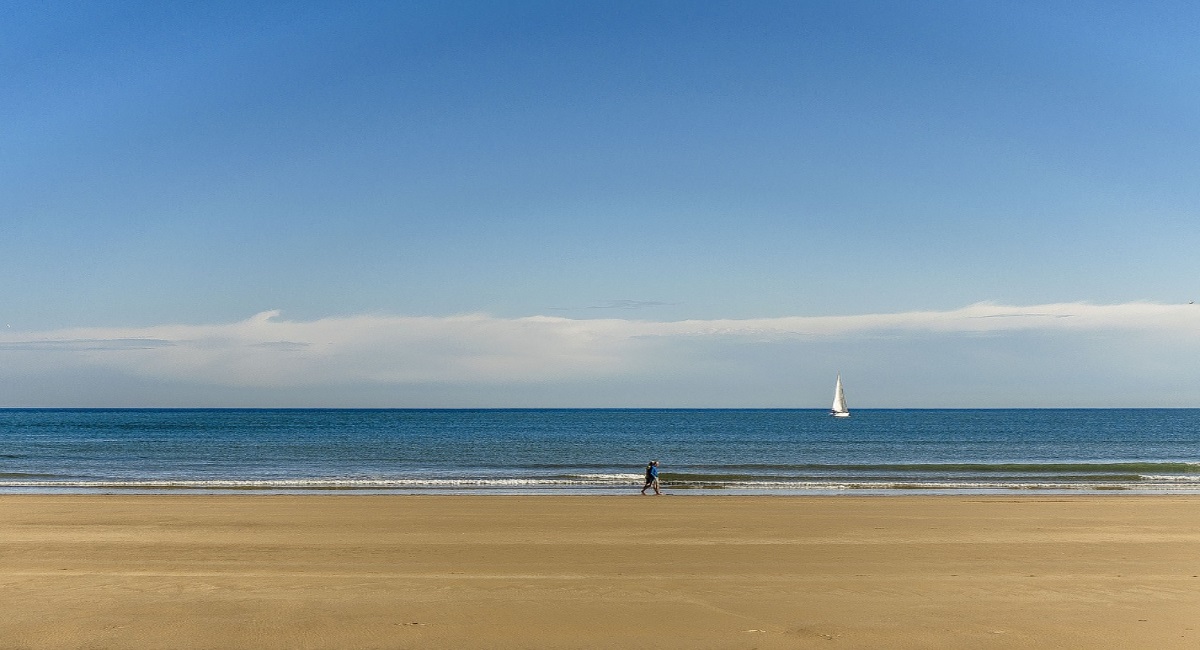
{"points": [[612, 204]]}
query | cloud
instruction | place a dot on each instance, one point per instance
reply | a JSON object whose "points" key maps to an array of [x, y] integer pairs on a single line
{"points": [[980, 318], [77, 345], [268, 351], [618, 304]]}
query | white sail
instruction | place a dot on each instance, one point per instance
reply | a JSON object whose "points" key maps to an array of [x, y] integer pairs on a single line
{"points": [[839, 409]]}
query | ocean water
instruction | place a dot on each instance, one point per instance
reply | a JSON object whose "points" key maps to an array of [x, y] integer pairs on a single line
{"points": [[599, 451]]}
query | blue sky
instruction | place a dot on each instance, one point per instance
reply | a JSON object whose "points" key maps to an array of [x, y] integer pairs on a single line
{"points": [[460, 176]]}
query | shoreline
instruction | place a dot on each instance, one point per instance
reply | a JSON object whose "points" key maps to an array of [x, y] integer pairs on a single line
{"points": [[339, 570], [605, 492]]}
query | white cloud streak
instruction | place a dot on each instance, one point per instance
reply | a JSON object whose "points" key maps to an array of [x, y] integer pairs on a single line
{"points": [[270, 351]]}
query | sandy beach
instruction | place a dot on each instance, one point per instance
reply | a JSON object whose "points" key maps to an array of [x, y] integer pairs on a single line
{"points": [[256, 571]]}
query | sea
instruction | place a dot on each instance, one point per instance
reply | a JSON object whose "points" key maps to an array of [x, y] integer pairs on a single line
{"points": [[599, 451]]}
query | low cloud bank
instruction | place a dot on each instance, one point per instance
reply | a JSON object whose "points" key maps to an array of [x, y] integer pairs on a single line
{"points": [[269, 351]]}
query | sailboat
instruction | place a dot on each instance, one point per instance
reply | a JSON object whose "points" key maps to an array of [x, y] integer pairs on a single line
{"points": [[839, 409]]}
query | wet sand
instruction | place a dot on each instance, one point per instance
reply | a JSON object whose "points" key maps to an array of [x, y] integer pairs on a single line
{"points": [[333, 571]]}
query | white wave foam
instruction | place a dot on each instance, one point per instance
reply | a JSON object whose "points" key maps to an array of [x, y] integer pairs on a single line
{"points": [[332, 483], [587, 481]]}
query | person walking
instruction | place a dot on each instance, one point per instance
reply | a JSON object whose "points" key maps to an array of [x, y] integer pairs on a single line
{"points": [[651, 477]]}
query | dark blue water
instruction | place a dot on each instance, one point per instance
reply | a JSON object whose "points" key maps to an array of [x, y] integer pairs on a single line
{"points": [[599, 450]]}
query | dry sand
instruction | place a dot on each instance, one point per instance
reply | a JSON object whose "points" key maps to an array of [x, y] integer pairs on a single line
{"points": [[139, 571]]}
